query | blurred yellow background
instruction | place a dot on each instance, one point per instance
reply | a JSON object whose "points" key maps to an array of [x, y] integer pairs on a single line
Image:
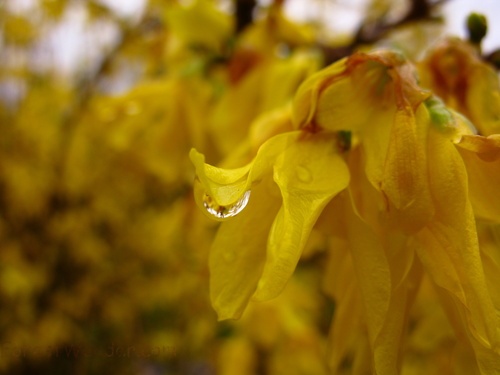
{"points": [[103, 252]]}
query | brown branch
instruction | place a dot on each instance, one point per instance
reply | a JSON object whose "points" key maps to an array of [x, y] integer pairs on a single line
{"points": [[370, 32], [244, 13]]}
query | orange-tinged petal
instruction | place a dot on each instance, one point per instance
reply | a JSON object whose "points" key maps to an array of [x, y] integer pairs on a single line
{"points": [[405, 169], [395, 164], [456, 72], [347, 94], [405, 181], [487, 148]]}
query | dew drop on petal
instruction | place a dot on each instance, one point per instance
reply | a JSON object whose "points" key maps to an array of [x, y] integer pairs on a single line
{"points": [[304, 174], [225, 212]]}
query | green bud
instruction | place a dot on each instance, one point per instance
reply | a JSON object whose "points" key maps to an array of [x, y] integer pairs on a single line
{"points": [[477, 26], [438, 112]]}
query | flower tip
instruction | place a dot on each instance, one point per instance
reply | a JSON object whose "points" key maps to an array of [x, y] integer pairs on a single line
{"points": [[477, 27], [226, 313], [267, 291], [222, 318], [196, 157]]}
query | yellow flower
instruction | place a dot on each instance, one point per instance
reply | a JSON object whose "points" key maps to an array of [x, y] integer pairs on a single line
{"points": [[286, 187], [454, 71], [406, 211], [409, 208]]}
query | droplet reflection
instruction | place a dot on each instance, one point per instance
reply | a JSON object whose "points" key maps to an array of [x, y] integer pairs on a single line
{"points": [[225, 212]]}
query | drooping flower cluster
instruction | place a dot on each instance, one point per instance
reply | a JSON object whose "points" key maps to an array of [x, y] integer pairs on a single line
{"points": [[405, 188]]}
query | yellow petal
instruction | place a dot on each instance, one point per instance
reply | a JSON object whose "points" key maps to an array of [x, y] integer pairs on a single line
{"points": [[238, 254], [239, 250], [405, 181], [269, 124], [481, 156], [430, 340], [388, 278], [389, 343], [309, 173], [449, 250], [265, 86], [394, 158], [488, 360], [457, 73], [227, 186], [489, 242], [347, 337], [373, 275], [367, 201], [372, 270], [306, 99]]}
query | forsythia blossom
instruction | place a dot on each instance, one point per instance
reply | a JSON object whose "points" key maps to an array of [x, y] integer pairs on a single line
{"points": [[400, 182]]}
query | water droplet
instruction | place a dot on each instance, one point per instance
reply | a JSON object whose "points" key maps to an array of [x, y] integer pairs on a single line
{"points": [[225, 212], [304, 174]]}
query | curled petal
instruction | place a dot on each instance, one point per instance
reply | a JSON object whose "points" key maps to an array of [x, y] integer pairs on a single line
{"points": [[238, 254], [486, 148], [306, 99], [309, 173], [405, 181], [227, 186]]}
